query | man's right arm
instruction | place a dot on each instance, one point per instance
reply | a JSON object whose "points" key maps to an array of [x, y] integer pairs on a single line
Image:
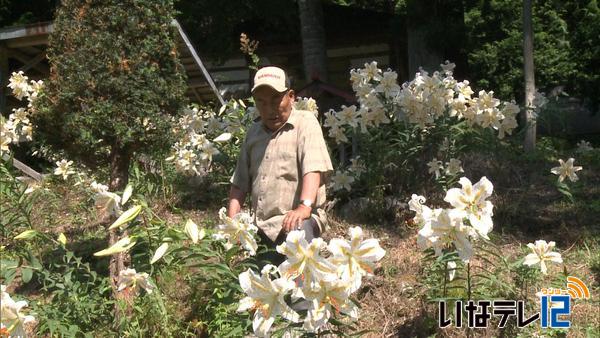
{"points": [[236, 200]]}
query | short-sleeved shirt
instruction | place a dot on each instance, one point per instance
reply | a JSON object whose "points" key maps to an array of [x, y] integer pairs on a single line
{"points": [[271, 166]]}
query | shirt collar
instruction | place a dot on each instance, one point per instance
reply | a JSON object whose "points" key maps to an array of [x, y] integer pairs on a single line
{"points": [[293, 119]]}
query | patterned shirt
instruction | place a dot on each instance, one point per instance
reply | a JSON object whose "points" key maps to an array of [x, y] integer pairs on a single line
{"points": [[271, 166]]}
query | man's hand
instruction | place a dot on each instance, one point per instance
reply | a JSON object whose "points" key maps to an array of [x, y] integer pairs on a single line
{"points": [[236, 200], [293, 219]]}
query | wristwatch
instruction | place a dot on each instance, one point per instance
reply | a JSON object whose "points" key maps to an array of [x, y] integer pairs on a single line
{"points": [[307, 203]]}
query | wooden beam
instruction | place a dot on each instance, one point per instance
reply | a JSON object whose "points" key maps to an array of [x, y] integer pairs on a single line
{"points": [[198, 61], [197, 95], [33, 62], [24, 168], [23, 58], [28, 41]]}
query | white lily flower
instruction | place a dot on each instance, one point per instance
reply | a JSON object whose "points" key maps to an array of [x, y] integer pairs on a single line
{"points": [[11, 317], [32, 183], [191, 229], [388, 85], [223, 137], [239, 229], [435, 167], [304, 260], [584, 146], [35, 88], [472, 199], [447, 66], [18, 84], [341, 180], [107, 202], [330, 295], [348, 116], [448, 227], [208, 151], [133, 281], [454, 167], [566, 169], [337, 133], [97, 187], [356, 258], [542, 253], [425, 237], [451, 270], [371, 72], [508, 124], [423, 212], [20, 116], [306, 103], [331, 119], [356, 166], [266, 297], [63, 168]]}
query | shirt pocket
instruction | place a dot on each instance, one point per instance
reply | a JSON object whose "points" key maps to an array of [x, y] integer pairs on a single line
{"points": [[288, 165]]}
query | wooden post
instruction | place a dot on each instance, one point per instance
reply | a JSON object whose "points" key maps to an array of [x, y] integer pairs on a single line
{"points": [[530, 121]]}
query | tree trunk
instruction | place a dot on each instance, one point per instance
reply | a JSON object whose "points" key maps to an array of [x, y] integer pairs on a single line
{"points": [[314, 51], [421, 53], [528, 71], [119, 176]]}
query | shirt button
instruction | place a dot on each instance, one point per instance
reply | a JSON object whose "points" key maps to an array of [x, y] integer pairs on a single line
{"points": [[267, 157]]}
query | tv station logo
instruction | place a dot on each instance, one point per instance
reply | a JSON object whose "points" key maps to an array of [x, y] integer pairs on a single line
{"points": [[555, 307]]}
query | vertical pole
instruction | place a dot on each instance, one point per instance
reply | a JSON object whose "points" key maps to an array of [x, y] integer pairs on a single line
{"points": [[528, 70]]}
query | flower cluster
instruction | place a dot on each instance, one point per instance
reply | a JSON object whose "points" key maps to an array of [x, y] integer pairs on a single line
{"points": [[421, 101], [584, 146], [538, 103], [194, 152], [452, 168], [317, 282], [343, 179], [18, 127], [237, 230], [306, 103], [11, 318], [469, 219]]}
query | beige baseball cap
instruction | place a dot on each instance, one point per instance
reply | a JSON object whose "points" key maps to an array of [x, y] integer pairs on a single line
{"points": [[273, 77]]}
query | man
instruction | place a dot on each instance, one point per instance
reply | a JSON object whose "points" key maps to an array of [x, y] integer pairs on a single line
{"points": [[283, 164]]}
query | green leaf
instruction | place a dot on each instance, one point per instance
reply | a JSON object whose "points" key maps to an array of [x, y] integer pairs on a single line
{"points": [[26, 274], [126, 217], [27, 234]]}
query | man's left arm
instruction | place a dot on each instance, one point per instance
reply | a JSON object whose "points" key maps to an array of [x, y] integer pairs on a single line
{"points": [[315, 166], [310, 184]]}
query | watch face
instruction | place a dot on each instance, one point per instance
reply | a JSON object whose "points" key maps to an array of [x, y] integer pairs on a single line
{"points": [[308, 203]]}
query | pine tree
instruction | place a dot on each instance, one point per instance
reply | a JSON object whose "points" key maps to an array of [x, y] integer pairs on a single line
{"points": [[115, 81], [115, 84]]}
